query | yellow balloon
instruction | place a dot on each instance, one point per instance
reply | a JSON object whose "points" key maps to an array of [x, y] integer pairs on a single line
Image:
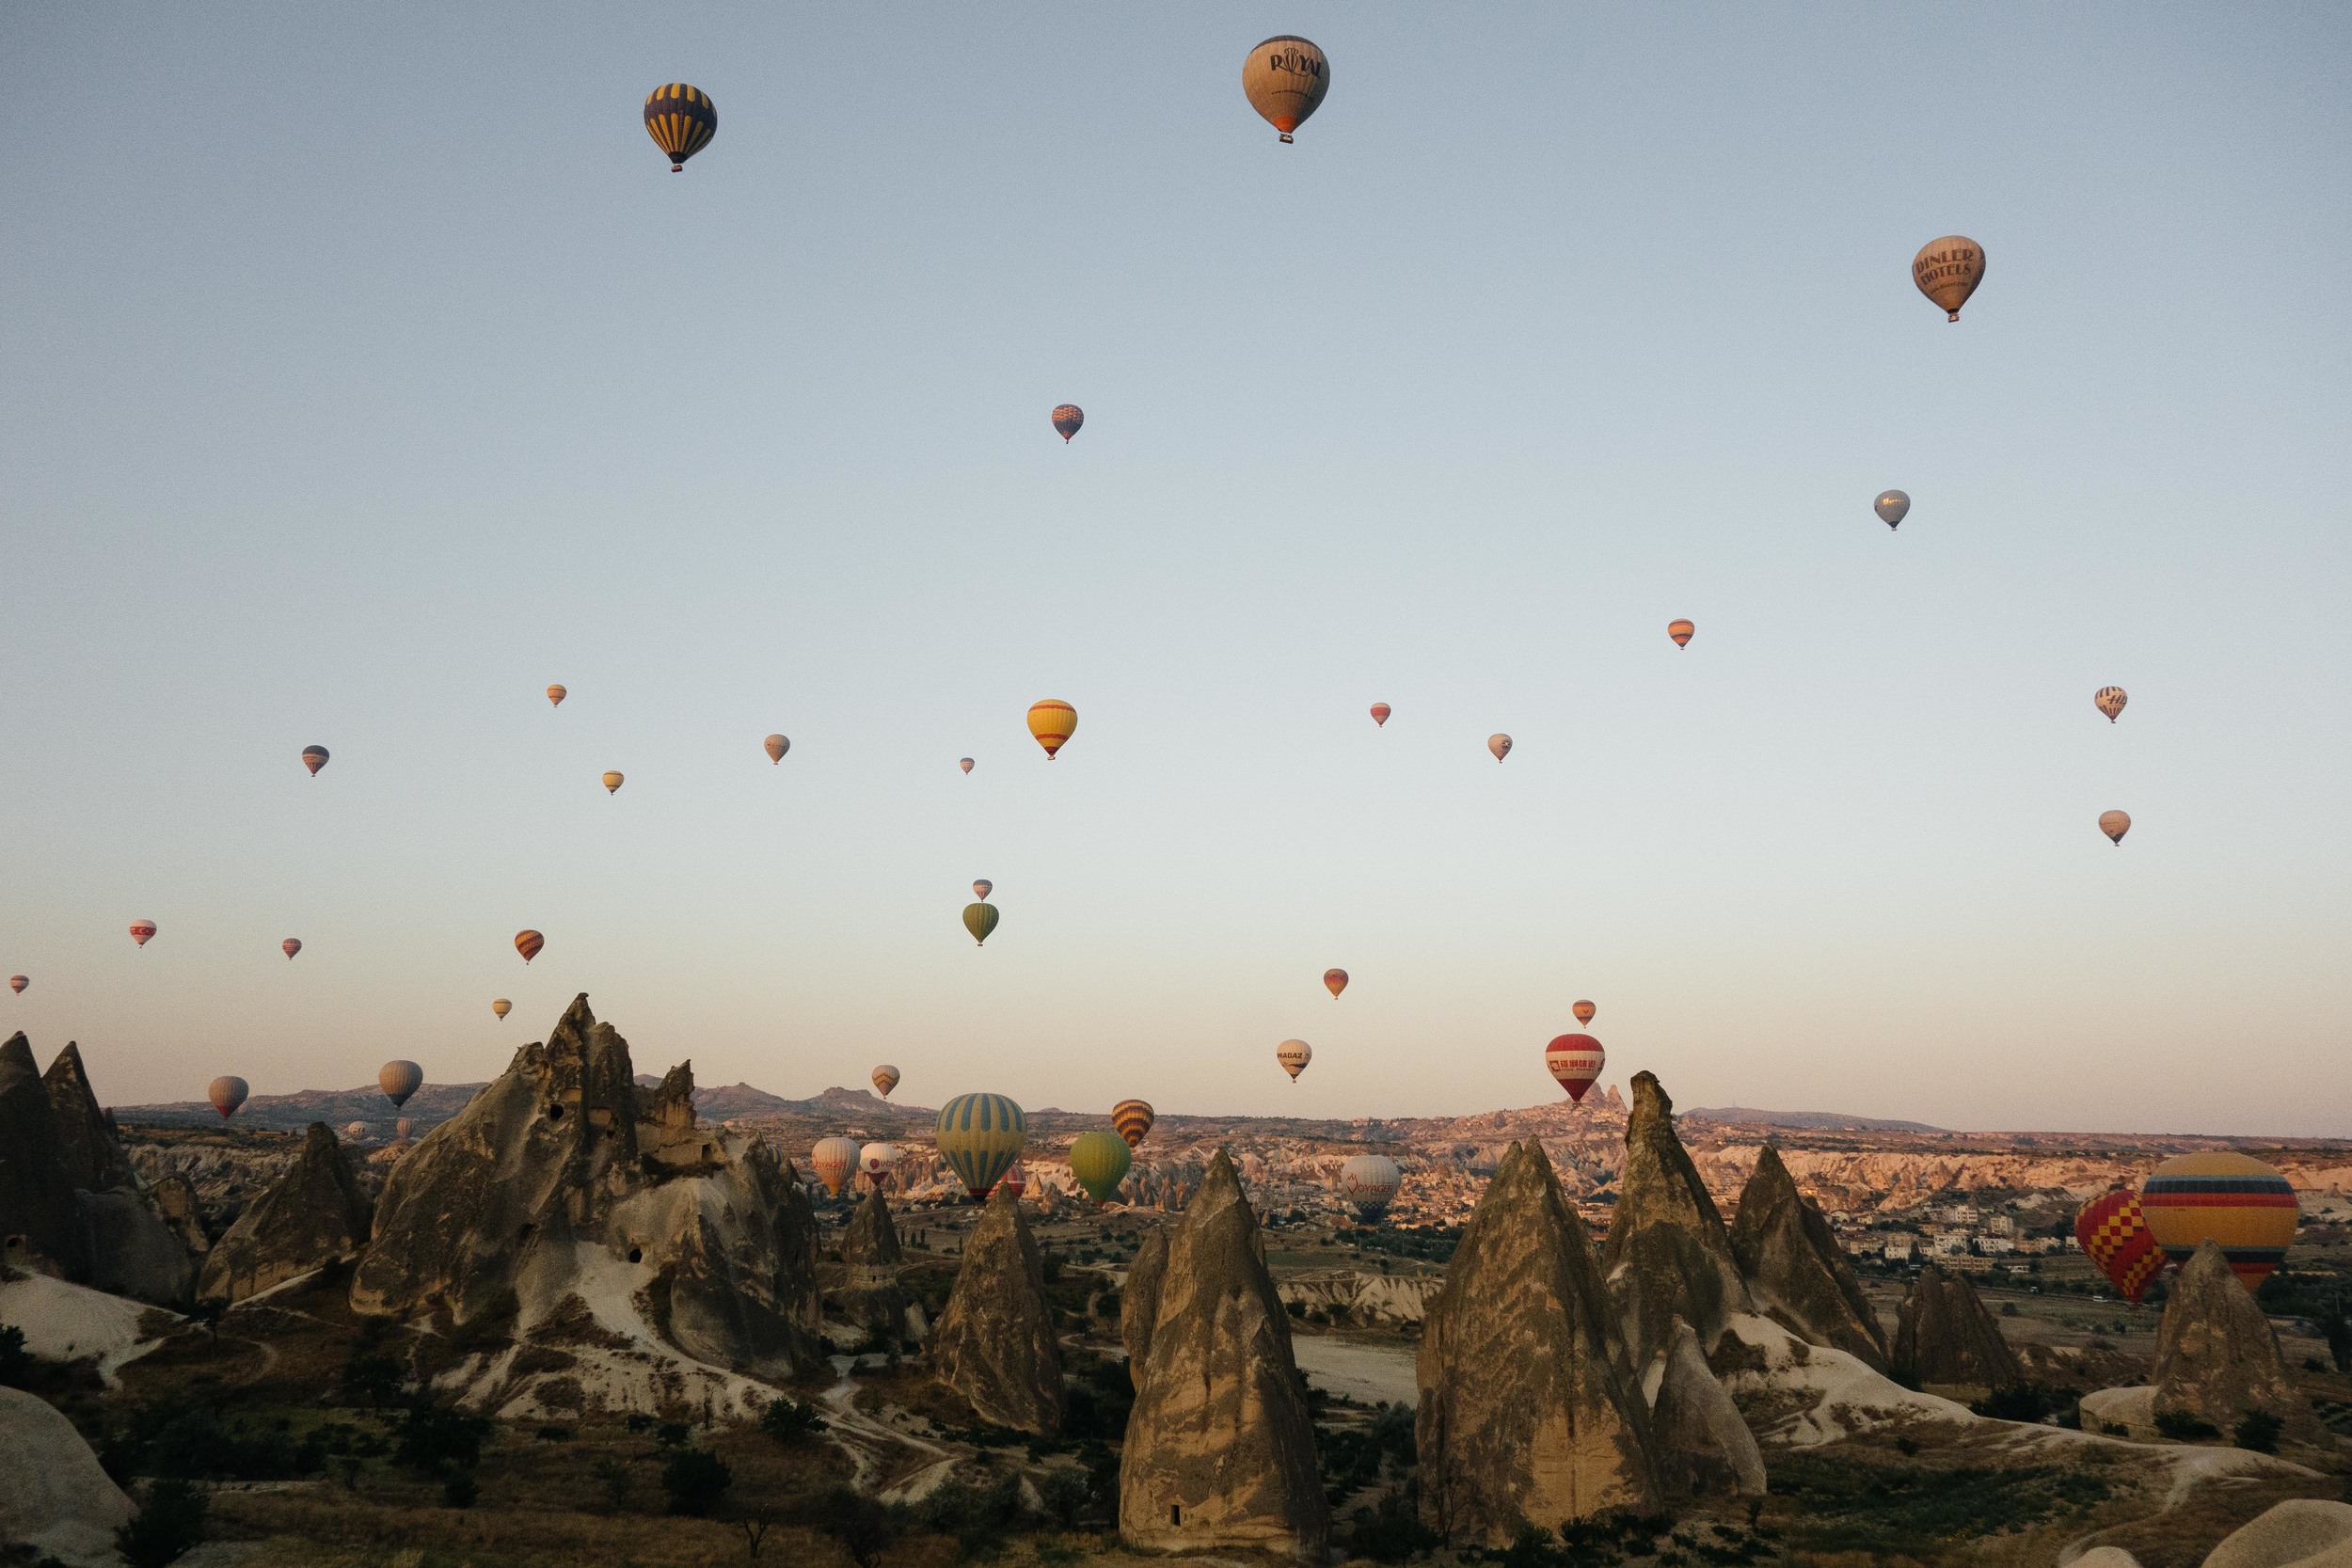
{"points": [[612, 783], [1053, 721]]}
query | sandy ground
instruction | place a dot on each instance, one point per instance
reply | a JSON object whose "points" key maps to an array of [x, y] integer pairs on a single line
{"points": [[67, 1322], [1371, 1371]]}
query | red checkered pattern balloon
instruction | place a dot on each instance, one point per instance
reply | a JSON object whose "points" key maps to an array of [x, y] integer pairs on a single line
{"points": [[2114, 1235]]}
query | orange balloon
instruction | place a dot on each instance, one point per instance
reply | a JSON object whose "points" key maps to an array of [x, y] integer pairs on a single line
{"points": [[1380, 712], [1335, 980], [1680, 631], [528, 944], [556, 695], [1053, 723], [1584, 1012], [502, 1007]]}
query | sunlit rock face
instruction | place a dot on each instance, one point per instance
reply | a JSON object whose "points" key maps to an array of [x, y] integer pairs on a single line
{"points": [[1220, 1451], [1530, 1410], [313, 1215], [1795, 1270], [995, 1343], [870, 1294], [1945, 1337], [1139, 1303], [1668, 1255], [2217, 1356]]}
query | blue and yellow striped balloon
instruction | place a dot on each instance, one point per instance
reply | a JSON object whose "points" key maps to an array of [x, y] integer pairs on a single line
{"points": [[2235, 1200], [681, 120], [981, 1135]]}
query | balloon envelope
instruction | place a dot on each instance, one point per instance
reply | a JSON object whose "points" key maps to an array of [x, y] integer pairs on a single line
{"points": [[1380, 712], [612, 783], [886, 1078], [1499, 745], [1575, 1060], [681, 120], [141, 931], [528, 944], [1294, 1055], [1053, 723], [556, 695], [1892, 506], [2109, 700], [1948, 270], [2114, 1234], [1681, 632], [502, 1007], [979, 1136], [1584, 1012], [979, 919], [291, 946], [2219, 1196], [982, 888], [874, 1159], [2115, 824], [355, 1130], [399, 1080], [1370, 1181], [776, 746], [833, 1160], [227, 1093], [1133, 1117], [1015, 1180], [1100, 1159], [17, 983], [1067, 419], [314, 758], [1285, 78], [964, 762], [401, 1128], [1335, 981]]}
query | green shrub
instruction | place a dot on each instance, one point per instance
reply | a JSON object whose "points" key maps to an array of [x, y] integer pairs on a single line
{"points": [[861, 1526], [435, 1440], [16, 1362], [459, 1489], [169, 1521], [2259, 1431], [696, 1480], [789, 1421], [2181, 1427], [1391, 1531], [1067, 1495], [2020, 1403], [196, 1445]]}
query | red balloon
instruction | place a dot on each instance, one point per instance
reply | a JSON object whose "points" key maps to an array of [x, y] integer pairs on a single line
{"points": [[1575, 1060], [1380, 712], [291, 945], [2114, 1235], [141, 931], [528, 944]]}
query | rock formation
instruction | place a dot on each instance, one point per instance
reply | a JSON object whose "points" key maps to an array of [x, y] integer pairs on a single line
{"points": [[2296, 1532], [1945, 1339], [2217, 1359], [134, 1250], [1139, 1301], [556, 1179], [314, 1215], [1703, 1444], [1530, 1409], [40, 1221], [1796, 1271], [56, 1502], [994, 1343], [86, 1146], [1220, 1449], [1668, 1255], [869, 1295]]}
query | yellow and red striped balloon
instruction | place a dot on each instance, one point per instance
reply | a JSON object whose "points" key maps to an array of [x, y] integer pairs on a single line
{"points": [[1134, 1118], [1053, 723], [528, 944]]}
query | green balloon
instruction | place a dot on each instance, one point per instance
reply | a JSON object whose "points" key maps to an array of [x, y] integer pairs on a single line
{"points": [[1100, 1159], [979, 919]]}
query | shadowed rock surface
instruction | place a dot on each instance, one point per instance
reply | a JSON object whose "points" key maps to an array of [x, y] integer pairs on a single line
{"points": [[312, 1216], [1220, 1451], [1140, 1300], [1668, 1255], [1946, 1336], [86, 1146], [2217, 1358], [1796, 1271], [134, 1250], [870, 1296], [57, 1501], [1703, 1444], [995, 1343], [1530, 1411], [40, 1220]]}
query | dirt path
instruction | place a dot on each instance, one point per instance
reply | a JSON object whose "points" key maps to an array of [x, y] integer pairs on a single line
{"points": [[879, 1450]]}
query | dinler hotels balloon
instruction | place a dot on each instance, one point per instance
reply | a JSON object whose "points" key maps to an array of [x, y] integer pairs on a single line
{"points": [[979, 919], [1369, 1182], [1380, 712], [141, 931], [1067, 419], [1335, 981], [2114, 1234], [2115, 824], [1294, 1055], [1681, 632], [1892, 506], [399, 1080], [2109, 700], [885, 1080], [227, 1093], [1948, 270], [1584, 1012], [2220, 1197], [314, 758], [776, 746], [290, 948], [1133, 1119], [833, 1160], [556, 695], [681, 120], [502, 1007], [1100, 1160], [1053, 723], [1499, 745], [528, 944], [1285, 78], [979, 1136], [1575, 1060]]}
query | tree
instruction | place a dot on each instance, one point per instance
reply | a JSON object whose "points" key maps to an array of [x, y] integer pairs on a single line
{"points": [[789, 1421], [861, 1525], [169, 1521], [16, 1363], [696, 1480]]}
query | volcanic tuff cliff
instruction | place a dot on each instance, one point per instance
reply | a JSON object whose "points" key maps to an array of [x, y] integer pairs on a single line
{"points": [[995, 1343], [1796, 1271], [314, 1216], [1943, 1336], [2217, 1357], [1668, 1255]]}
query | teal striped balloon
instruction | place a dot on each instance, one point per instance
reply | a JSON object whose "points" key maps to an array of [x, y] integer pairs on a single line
{"points": [[981, 1135]]}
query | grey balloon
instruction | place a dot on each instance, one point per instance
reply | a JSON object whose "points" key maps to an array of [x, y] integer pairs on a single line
{"points": [[1892, 506]]}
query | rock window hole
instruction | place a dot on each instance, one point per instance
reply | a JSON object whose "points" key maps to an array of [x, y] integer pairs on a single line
{"points": [[637, 1254], [555, 1113], [1175, 1514]]}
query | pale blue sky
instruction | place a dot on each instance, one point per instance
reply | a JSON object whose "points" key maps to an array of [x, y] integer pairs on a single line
{"points": [[368, 372]]}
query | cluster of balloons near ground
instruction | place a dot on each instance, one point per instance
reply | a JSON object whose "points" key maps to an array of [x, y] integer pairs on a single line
{"points": [[2235, 1200]]}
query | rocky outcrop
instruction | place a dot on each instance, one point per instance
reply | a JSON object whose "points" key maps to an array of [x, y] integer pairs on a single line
{"points": [[1945, 1339], [555, 1185], [869, 1295], [2216, 1358], [40, 1221], [1703, 1444], [1530, 1410], [56, 1501], [1668, 1255], [314, 1215], [134, 1250], [1139, 1300], [995, 1343], [2296, 1532], [87, 1148], [1795, 1270], [1364, 1299], [1220, 1451]]}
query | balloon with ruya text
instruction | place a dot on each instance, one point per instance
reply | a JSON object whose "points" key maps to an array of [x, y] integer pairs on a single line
{"points": [[1134, 1118], [291, 946], [227, 1093], [1294, 1055], [886, 1078], [1335, 981], [833, 1160], [2109, 700], [1681, 632], [1892, 506], [1285, 79], [681, 119], [529, 944], [874, 1161], [314, 758], [1947, 271], [1368, 1182], [1575, 1061], [1067, 417], [141, 931], [2114, 1234], [979, 1136], [399, 1080], [1053, 721], [2115, 824]]}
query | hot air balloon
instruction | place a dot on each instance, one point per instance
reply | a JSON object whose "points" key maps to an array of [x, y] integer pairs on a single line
{"points": [[833, 1160], [2115, 824], [528, 944], [399, 1080], [291, 946], [1335, 981], [1380, 712], [2221, 1196], [1499, 745], [502, 1007], [401, 1128], [1100, 1160], [1583, 1011], [874, 1159], [227, 1093], [1067, 419], [1015, 1180], [314, 758], [979, 1136], [2109, 700], [141, 931], [355, 1130], [681, 120], [2114, 1234], [982, 888], [1948, 270], [1294, 1055], [17, 983], [1370, 1181], [979, 919], [1892, 506], [612, 784], [776, 745], [1285, 78], [1133, 1119], [1575, 1060], [556, 695], [964, 762], [1680, 631], [1053, 723], [886, 1078]]}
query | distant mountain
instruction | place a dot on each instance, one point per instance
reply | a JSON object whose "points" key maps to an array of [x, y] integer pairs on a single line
{"points": [[730, 1101], [427, 1108], [1811, 1121]]}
